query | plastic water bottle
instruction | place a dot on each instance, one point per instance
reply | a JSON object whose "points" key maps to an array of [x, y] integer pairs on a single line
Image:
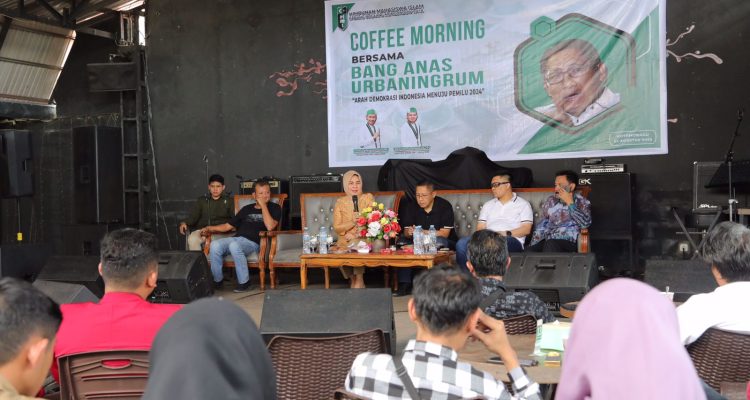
{"points": [[323, 240], [418, 240], [433, 240], [306, 241]]}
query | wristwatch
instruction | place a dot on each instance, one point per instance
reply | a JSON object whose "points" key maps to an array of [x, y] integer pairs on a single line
{"points": [[508, 233]]}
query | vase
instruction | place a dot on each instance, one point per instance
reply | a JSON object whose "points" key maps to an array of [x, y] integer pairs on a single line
{"points": [[377, 245]]}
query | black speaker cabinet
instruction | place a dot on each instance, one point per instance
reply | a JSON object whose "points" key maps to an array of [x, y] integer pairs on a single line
{"points": [[317, 313], [184, 276], [557, 278], [278, 186], [16, 177], [684, 277], [23, 261], [611, 199], [84, 239], [112, 77], [97, 162], [66, 293], [311, 184], [82, 270]]}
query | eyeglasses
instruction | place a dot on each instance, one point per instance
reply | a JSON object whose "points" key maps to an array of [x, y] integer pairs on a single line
{"points": [[555, 76], [498, 184]]}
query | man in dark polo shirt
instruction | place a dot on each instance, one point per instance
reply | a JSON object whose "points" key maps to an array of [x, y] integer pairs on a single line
{"points": [[263, 215], [428, 210]]}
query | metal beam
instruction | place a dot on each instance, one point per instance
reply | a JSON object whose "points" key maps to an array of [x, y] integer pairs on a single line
{"points": [[95, 32], [102, 6], [75, 9], [22, 15], [51, 10]]}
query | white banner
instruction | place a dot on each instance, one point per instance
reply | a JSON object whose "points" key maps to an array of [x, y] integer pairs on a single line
{"points": [[518, 79]]}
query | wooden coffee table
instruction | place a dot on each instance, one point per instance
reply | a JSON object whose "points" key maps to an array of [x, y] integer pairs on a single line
{"points": [[396, 259]]}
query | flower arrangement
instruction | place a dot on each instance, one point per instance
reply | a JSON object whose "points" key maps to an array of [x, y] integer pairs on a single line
{"points": [[377, 222]]}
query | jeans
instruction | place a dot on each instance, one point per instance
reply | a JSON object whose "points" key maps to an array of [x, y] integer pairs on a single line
{"points": [[239, 247], [405, 274], [514, 246]]}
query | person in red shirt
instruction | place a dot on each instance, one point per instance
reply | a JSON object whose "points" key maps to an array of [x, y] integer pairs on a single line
{"points": [[122, 319]]}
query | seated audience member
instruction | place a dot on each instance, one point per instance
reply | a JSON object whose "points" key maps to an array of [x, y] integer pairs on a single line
{"points": [[507, 214], [624, 344], [727, 250], [211, 349], [214, 208], [263, 215], [122, 319], [28, 323], [429, 209], [488, 261], [563, 215], [444, 308]]}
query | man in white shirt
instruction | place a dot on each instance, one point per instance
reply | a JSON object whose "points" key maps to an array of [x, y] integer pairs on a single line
{"points": [[727, 250], [369, 138], [411, 132], [507, 214], [575, 78]]}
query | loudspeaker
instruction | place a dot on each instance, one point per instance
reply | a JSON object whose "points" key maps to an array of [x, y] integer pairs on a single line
{"points": [[316, 313], [184, 276], [82, 270], [311, 184], [16, 178], [23, 261], [97, 162], [278, 186], [684, 277], [65, 293], [557, 278], [112, 77], [611, 199]]}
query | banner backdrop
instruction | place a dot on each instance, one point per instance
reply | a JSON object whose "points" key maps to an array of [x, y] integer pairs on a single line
{"points": [[518, 79]]}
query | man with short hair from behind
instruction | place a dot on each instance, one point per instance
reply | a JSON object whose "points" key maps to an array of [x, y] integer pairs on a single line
{"points": [[122, 319], [444, 308], [489, 261], [28, 323], [213, 208], [727, 250]]}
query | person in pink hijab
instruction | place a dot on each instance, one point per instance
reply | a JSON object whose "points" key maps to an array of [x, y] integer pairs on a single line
{"points": [[625, 344]]}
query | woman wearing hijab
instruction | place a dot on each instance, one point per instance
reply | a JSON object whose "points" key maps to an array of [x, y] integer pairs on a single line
{"points": [[345, 225], [625, 344], [210, 349]]}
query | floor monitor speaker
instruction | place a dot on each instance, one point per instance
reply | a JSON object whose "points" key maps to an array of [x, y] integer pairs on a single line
{"points": [[184, 276], [16, 174], [65, 293], [684, 277], [557, 278], [316, 313], [23, 261], [82, 270]]}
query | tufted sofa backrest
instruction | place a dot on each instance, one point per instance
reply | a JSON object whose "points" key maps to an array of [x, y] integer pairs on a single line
{"points": [[468, 203], [317, 208]]}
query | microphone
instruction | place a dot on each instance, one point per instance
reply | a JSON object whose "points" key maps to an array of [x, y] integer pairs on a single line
{"points": [[205, 158], [356, 203]]}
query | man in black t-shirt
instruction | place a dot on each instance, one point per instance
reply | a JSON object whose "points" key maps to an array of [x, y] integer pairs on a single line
{"points": [[428, 210], [248, 223]]}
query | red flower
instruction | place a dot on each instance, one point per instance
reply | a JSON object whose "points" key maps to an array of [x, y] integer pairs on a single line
{"points": [[395, 226], [363, 233], [374, 218], [361, 221], [386, 228]]}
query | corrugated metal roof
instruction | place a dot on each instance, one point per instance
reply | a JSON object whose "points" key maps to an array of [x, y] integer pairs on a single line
{"points": [[87, 10], [31, 60]]}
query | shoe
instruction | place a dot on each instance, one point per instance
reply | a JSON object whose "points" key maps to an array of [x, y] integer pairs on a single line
{"points": [[242, 287], [404, 289], [218, 285]]}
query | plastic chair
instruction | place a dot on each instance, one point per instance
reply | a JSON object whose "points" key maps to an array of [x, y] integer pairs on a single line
{"points": [[117, 374], [314, 367]]}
